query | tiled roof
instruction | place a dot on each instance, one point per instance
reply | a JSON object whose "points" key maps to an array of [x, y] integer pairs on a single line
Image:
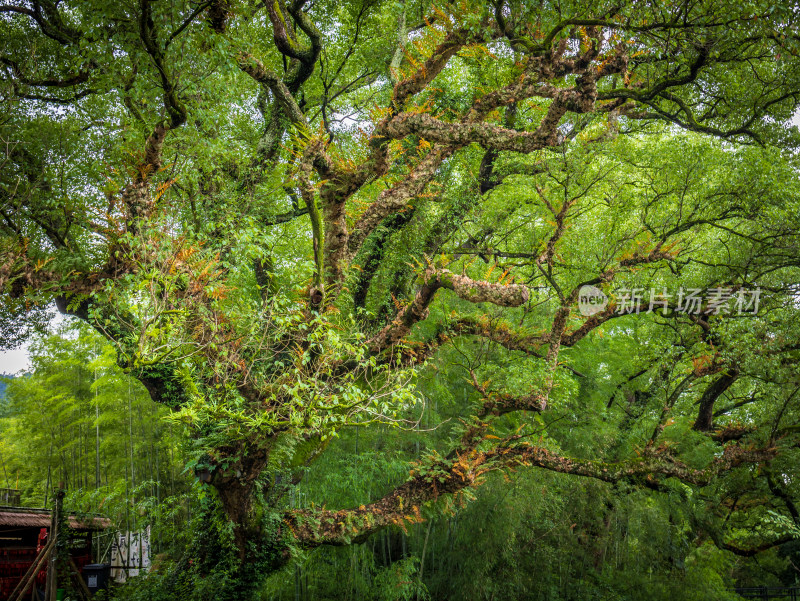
{"points": [[41, 519]]}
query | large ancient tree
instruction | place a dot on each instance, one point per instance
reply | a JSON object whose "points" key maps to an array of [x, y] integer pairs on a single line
{"points": [[282, 212]]}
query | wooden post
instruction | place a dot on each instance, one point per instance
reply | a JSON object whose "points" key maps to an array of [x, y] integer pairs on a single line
{"points": [[79, 578], [52, 577], [51, 561]]}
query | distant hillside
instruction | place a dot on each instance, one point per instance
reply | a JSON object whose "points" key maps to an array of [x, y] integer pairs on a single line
{"points": [[3, 387]]}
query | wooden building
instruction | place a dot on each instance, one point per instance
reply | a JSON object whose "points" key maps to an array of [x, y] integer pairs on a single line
{"points": [[23, 534]]}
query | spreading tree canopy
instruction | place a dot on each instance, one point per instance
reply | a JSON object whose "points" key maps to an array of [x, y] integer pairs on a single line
{"points": [[292, 218]]}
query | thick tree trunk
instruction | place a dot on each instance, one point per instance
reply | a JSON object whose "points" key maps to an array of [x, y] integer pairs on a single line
{"points": [[259, 546], [235, 486], [237, 502]]}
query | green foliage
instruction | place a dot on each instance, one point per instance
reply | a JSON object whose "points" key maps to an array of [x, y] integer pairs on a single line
{"points": [[278, 218]]}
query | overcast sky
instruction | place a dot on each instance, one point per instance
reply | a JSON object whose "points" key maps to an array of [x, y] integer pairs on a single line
{"points": [[17, 360], [12, 362]]}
